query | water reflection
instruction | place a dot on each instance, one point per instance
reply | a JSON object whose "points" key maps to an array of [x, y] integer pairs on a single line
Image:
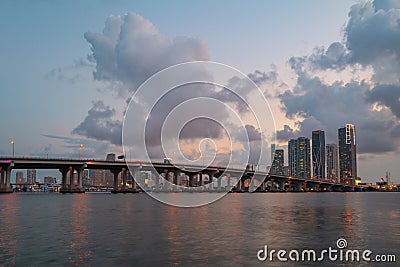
{"points": [[79, 250], [9, 213]]}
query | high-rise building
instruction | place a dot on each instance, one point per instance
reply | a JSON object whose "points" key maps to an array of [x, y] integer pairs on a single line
{"points": [[299, 157], [96, 177], [347, 154], [332, 167], [108, 176], [278, 163], [85, 177], [31, 176], [19, 177], [318, 154], [273, 147], [292, 157]]}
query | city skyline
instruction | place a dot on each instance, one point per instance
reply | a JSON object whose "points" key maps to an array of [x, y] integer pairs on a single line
{"points": [[315, 75]]}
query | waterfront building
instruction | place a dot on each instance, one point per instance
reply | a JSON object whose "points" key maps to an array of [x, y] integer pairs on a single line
{"points": [[299, 157], [96, 177], [332, 167], [49, 180], [318, 154], [278, 162], [19, 177], [273, 147], [31, 176], [347, 154]]}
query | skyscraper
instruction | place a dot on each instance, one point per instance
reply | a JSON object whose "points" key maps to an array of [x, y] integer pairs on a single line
{"points": [[278, 162], [332, 168], [292, 156], [273, 147], [347, 154], [299, 157], [19, 177], [318, 154], [31, 176]]}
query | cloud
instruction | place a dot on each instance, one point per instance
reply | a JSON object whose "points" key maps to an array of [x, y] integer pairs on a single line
{"points": [[387, 95], [130, 49], [316, 105], [371, 39], [386, 4], [127, 52], [100, 125]]}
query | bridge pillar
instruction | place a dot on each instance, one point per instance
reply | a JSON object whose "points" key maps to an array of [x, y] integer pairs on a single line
{"points": [[63, 179], [71, 179], [191, 179], [219, 183], [263, 185], [157, 178], [295, 186], [115, 173], [177, 177], [280, 183], [201, 180], [211, 175], [166, 179], [228, 176], [2, 184], [8, 179], [80, 177]]}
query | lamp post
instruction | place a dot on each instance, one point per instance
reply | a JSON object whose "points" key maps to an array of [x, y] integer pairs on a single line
{"points": [[80, 150], [12, 144]]}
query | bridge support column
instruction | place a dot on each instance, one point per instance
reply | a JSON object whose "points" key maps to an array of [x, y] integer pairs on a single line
{"points": [[166, 179], [177, 178], [80, 177], [295, 186], [201, 180], [115, 173], [211, 180], [157, 178], [191, 179], [228, 176], [8, 179], [63, 179], [219, 183], [263, 186], [71, 179], [2, 181]]}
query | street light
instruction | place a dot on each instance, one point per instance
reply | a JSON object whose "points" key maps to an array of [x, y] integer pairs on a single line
{"points": [[80, 150], [12, 143]]}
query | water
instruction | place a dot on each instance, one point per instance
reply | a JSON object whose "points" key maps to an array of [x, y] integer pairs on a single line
{"points": [[42, 229]]}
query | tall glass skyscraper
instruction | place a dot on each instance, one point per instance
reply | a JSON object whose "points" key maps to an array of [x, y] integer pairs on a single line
{"points": [[332, 168], [347, 154], [299, 157], [318, 154], [278, 164]]}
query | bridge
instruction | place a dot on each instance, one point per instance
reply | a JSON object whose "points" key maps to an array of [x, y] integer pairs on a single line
{"points": [[175, 174]]}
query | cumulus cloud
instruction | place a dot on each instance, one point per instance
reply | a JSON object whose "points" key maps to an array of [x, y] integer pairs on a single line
{"points": [[130, 49], [316, 105], [371, 39], [100, 124]]}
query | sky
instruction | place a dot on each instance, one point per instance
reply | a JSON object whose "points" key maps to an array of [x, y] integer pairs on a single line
{"points": [[68, 68]]}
